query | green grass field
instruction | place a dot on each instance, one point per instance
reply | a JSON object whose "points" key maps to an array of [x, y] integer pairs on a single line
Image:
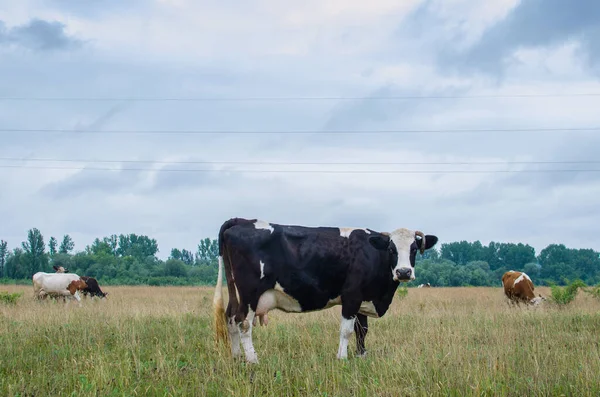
{"points": [[159, 341]]}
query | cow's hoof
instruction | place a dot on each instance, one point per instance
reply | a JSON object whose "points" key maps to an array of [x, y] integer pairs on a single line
{"points": [[252, 360]]}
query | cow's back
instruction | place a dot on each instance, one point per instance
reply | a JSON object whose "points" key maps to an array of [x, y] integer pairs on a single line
{"points": [[50, 282]]}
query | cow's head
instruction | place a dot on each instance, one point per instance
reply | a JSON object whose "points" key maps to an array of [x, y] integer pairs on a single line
{"points": [[402, 245], [537, 300], [60, 269]]}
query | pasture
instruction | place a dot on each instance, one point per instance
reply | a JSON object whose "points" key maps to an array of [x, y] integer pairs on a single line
{"points": [[435, 341]]}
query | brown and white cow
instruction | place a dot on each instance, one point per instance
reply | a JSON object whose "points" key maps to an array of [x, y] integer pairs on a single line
{"points": [[65, 285], [92, 289], [518, 288]]}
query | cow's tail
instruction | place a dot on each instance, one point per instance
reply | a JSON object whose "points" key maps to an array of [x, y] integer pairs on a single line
{"points": [[220, 320], [219, 308]]}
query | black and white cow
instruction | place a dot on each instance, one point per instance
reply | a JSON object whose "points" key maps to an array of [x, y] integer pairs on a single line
{"points": [[302, 269]]}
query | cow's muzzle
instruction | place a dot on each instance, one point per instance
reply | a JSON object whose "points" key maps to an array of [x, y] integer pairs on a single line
{"points": [[403, 274]]}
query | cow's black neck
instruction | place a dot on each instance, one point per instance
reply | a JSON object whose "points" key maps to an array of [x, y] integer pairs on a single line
{"points": [[383, 302]]}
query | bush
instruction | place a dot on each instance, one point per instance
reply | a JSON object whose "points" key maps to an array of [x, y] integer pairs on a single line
{"points": [[7, 298], [565, 295], [594, 291], [402, 292]]}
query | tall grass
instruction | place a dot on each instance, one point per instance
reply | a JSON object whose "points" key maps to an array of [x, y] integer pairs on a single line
{"points": [[434, 341]]}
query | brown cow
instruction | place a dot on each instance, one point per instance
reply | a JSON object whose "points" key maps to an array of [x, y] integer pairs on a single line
{"points": [[519, 288]]}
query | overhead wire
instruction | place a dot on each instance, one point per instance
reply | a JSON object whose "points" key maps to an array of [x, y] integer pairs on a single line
{"points": [[292, 98], [263, 171], [291, 132], [237, 162]]}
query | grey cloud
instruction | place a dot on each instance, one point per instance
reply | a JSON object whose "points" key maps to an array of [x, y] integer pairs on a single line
{"points": [[89, 182], [180, 177], [531, 24], [39, 35], [95, 8]]}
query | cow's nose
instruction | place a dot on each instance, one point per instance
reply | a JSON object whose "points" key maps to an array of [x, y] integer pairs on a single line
{"points": [[404, 273]]}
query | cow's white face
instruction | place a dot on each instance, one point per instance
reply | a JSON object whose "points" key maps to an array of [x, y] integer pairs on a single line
{"points": [[406, 251], [537, 300], [402, 246]]}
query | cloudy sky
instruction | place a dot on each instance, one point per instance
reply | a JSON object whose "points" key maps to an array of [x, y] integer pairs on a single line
{"points": [[495, 82]]}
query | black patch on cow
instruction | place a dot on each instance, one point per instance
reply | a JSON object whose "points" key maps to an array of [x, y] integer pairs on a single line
{"points": [[93, 289]]}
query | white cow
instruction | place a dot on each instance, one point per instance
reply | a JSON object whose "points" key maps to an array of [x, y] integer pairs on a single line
{"points": [[61, 284]]}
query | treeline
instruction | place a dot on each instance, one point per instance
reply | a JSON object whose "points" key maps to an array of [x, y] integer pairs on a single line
{"points": [[114, 260], [131, 259]]}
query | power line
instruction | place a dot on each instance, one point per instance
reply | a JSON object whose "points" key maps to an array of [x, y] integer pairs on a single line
{"points": [[293, 98], [305, 171], [175, 162], [292, 132]]}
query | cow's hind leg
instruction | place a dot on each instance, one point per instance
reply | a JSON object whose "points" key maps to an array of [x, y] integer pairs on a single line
{"points": [[361, 328], [234, 332], [246, 336]]}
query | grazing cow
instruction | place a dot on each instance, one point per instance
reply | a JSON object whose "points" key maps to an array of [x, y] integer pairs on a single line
{"points": [[426, 285], [302, 269], [57, 284], [519, 288], [93, 289]]}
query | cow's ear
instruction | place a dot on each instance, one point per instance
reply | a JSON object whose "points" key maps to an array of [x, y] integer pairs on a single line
{"points": [[430, 241], [381, 241], [54, 267]]}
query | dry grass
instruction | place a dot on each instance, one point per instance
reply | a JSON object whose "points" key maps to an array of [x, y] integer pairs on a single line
{"points": [[438, 341]]}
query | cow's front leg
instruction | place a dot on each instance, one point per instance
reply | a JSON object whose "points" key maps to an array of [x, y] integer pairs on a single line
{"points": [[350, 309], [361, 328]]}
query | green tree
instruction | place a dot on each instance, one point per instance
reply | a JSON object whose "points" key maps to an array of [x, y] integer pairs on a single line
{"points": [[175, 268], [184, 255], [35, 251], [113, 243], [67, 245], [52, 244], [137, 246], [3, 257], [208, 251], [175, 254], [16, 264]]}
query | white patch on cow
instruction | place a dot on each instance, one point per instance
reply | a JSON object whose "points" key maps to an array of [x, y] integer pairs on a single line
{"points": [[368, 309], [263, 225], [234, 337], [347, 231], [277, 299], [246, 336], [520, 278], [403, 238], [346, 329], [54, 284], [262, 269]]}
